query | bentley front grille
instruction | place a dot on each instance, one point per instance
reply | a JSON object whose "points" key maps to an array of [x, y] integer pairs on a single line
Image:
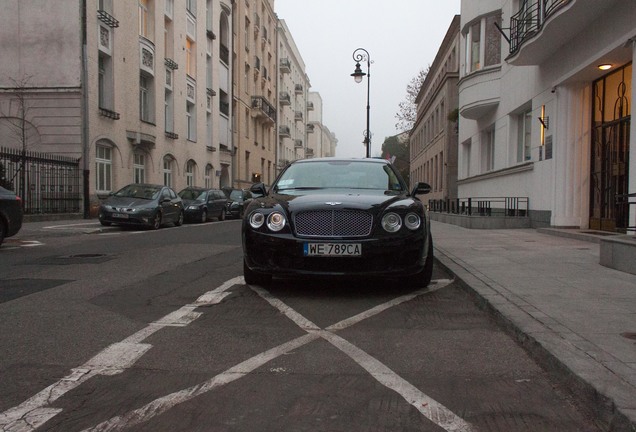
{"points": [[333, 223]]}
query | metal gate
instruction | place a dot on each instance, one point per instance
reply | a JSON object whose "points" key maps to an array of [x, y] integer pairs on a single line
{"points": [[610, 150]]}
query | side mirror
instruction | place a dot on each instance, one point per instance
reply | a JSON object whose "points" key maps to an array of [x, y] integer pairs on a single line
{"points": [[421, 189], [258, 189]]}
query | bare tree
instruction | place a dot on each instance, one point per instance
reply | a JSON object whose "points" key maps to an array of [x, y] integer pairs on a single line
{"points": [[17, 124], [407, 109]]}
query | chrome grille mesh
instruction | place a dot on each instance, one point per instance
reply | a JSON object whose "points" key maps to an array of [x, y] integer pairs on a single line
{"points": [[333, 223]]}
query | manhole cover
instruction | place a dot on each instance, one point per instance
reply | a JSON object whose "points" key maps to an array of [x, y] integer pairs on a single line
{"points": [[629, 335]]}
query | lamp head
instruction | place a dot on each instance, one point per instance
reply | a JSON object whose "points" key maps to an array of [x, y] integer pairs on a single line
{"points": [[358, 74]]}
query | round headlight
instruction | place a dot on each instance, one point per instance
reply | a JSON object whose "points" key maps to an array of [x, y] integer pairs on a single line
{"points": [[391, 222], [257, 220], [412, 221], [276, 221]]}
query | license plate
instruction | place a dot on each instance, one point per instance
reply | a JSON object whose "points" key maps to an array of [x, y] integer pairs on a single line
{"points": [[332, 249], [120, 216]]}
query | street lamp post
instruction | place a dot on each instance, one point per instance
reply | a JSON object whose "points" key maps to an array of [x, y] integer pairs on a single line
{"points": [[359, 55]]}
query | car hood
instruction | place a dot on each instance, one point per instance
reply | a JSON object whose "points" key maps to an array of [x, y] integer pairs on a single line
{"points": [[187, 202], [127, 202], [351, 200]]}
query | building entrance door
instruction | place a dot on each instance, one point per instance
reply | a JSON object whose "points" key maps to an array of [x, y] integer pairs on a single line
{"points": [[610, 150]]}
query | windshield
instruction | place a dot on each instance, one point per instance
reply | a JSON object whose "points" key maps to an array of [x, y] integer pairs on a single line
{"points": [[236, 195], [193, 195], [339, 175], [139, 191]]}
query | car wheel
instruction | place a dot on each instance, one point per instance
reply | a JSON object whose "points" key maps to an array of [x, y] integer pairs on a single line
{"points": [[241, 213], [3, 231], [156, 221], [423, 278], [222, 215], [204, 216], [255, 278], [104, 223], [179, 220]]}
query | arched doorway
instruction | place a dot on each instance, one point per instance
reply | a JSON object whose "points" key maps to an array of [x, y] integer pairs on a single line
{"points": [[610, 150]]}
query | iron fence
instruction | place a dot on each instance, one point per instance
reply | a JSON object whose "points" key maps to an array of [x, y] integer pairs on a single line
{"points": [[625, 203], [483, 206], [532, 14], [46, 183]]}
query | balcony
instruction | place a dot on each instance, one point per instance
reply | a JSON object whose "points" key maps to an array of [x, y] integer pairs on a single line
{"points": [[479, 93], [298, 143], [298, 88], [283, 131], [541, 27], [309, 152], [310, 128], [285, 65], [310, 106], [261, 108], [298, 116], [284, 98]]}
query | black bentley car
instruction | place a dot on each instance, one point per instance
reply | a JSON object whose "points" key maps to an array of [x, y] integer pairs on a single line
{"points": [[338, 217]]}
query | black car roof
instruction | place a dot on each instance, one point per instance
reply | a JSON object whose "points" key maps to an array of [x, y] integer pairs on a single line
{"points": [[338, 159]]}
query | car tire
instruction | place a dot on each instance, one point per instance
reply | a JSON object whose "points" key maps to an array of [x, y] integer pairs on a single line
{"points": [[204, 216], [222, 215], [3, 231], [254, 278], [179, 220], [423, 278], [156, 221], [104, 223]]}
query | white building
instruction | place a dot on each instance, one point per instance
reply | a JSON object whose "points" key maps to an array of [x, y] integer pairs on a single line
{"points": [[539, 117], [320, 140]]}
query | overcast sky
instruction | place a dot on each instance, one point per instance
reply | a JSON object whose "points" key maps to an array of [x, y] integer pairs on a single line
{"points": [[401, 36]]}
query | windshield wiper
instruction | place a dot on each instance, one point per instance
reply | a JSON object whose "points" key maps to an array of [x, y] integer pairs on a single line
{"points": [[299, 188]]}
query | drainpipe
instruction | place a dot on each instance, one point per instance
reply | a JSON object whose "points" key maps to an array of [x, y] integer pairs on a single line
{"points": [[631, 187], [85, 136]]}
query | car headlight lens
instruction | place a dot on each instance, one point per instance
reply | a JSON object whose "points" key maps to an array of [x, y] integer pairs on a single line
{"points": [[412, 221], [257, 220], [391, 222], [276, 221]]}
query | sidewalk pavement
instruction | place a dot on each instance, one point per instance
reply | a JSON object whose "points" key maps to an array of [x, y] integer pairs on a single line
{"points": [[575, 316]]}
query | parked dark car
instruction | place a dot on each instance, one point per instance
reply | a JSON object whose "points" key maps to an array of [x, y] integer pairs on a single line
{"points": [[11, 214], [338, 218], [201, 204], [239, 200], [144, 205]]}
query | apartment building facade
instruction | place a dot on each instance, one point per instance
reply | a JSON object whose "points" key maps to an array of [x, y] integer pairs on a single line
{"points": [[320, 140], [137, 90], [433, 138], [254, 92], [293, 105], [546, 108]]}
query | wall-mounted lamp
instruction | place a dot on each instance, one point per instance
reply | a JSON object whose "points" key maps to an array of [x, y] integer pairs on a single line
{"points": [[545, 122], [605, 66]]}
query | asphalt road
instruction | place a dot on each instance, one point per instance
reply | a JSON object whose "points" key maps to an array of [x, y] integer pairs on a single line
{"points": [[115, 329]]}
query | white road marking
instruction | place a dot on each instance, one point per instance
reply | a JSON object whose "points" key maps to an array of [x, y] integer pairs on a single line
{"points": [[114, 359], [36, 411]]}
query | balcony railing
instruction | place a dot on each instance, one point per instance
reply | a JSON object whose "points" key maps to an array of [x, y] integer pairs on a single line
{"points": [[531, 17], [284, 98], [625, 203], [483, 206], [298, 88], [285, 65], [284, 131], [298, 143], [263, 108]]}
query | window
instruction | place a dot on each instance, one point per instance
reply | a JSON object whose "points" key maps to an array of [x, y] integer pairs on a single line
{"points": [[101, 72], [169, 8], [524, 135], [143, 18], [190, 173], [488, 150], [105, 82], [139, 168], [191, 121], [105, 5], [492, 48], [191, 58], [466, 149], [208, 176], [167, 171], [169, 111], [103, 168], [146, 112], [475, 37], [191, 5]]}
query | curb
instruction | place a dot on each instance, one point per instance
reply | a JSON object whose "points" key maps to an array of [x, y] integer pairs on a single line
{"points": [[517, 323]]}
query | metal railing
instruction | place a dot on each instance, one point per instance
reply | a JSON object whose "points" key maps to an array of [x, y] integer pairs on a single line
{"points": [[531, 17], [482, 206], [46, 183], [625, 203]]}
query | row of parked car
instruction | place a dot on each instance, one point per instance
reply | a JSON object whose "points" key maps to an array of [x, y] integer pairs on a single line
{"points": [[150, 205]]}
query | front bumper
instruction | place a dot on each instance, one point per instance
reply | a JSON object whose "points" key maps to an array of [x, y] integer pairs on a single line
{"points": [[282, 255], [133, 219]]}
